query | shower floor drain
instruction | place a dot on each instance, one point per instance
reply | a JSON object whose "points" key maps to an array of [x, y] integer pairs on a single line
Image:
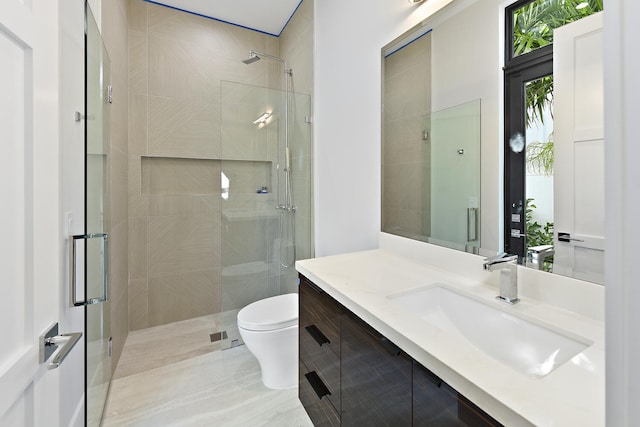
{"points": [[217, 336]]}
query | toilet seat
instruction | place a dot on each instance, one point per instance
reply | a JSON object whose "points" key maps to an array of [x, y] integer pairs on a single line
{"points": [[270, 313]]}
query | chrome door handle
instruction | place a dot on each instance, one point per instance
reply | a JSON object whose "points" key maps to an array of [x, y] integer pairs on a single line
{"points": [[472, 224], [566, 237], [517, 234], [51, 340], [105, 278]]}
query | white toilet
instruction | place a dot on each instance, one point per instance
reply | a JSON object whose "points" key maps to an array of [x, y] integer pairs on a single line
{"points": [[269, 329]]}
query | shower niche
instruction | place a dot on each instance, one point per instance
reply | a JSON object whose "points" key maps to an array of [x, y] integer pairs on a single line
{"points": [[193, 206], [206, 238]]}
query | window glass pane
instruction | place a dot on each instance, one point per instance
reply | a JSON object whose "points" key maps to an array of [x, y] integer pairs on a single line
{"points": [[539, 172], [534, 23]]}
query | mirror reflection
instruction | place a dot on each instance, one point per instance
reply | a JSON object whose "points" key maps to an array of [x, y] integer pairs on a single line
{"points": [[439, 154], [542, 115]]}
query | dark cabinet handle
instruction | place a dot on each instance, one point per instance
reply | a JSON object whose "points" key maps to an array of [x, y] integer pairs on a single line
{"points": [[393, 349], [317, 335], [419, 369], [317, 384]]}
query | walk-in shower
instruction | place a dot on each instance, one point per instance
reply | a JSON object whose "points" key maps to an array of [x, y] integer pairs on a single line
{"points": [[265, 159], [286, 206]]}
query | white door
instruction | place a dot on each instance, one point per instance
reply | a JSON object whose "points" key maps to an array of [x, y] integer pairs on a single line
{"points": [[30, 242], [579, 150]]}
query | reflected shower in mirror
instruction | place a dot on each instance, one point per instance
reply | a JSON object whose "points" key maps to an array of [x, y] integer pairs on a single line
{"points": [[439, 155], [453, 60], [430, 159]]}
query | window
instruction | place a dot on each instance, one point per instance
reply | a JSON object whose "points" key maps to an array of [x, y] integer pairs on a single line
{"points": [[532, 22]]}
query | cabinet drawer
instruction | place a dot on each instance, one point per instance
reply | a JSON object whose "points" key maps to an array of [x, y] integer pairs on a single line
{"points": [[317, 339], [322, 359], [317, 306], [320, 408]]}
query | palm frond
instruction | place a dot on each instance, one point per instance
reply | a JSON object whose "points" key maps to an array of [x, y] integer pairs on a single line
{"points": [[540, 156]]}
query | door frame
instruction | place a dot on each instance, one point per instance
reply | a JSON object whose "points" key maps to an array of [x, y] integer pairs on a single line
{"points": [[515, 78], [518, 71]]}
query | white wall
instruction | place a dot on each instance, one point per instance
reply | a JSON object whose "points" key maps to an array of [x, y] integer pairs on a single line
{"points": [[622, 181], [349, 36]]}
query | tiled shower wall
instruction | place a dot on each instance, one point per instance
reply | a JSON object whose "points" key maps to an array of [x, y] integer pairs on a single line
{"points": [[406, 155], [296, 46], [176, 64]]}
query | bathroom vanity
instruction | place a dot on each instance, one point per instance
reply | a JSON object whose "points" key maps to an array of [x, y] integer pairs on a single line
{"points": [[351, 375], [414, 336]]}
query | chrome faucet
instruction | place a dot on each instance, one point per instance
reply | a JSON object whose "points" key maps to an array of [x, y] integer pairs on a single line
{"points": [[508, 266], [537, 255]]}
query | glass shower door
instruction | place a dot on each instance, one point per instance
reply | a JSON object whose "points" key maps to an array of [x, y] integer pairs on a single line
{"points": [[455, 176], [96, 301], [258, 240]]}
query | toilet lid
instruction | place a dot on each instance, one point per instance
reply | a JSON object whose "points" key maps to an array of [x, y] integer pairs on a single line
{"points": [[270, 313]]}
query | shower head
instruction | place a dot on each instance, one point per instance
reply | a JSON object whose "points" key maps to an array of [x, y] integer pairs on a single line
{"points": [[253, 57]]}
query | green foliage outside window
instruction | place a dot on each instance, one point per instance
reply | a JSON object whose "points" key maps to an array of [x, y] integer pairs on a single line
{"points": [[533, 27], [534, 23], [537, 234], [540, 156]]}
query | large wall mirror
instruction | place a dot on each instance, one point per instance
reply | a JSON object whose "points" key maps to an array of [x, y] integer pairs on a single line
{"points": [[483, 148]]}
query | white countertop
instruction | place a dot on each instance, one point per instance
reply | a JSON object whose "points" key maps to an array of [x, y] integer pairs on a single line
{"points": [[571, 395]]}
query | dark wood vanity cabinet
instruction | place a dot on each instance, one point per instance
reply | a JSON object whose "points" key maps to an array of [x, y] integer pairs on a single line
{"points": [[436, 403], [319, 369], [376, 377], [351, 375]]}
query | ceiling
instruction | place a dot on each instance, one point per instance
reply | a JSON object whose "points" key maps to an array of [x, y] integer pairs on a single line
{"points": [[267, 16]]}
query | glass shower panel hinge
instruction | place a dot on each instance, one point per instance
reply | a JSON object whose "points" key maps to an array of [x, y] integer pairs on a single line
{"points": [[110, 94], [308, 120], [79, 116]]}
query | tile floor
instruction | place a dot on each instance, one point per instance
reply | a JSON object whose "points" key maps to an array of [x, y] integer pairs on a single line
{"points": [[172, 375]]}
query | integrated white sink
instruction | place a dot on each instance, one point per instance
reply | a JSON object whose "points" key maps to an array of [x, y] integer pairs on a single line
{"points": [[525, 346]]}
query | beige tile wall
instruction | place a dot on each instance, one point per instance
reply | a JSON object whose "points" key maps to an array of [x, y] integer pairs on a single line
{"points": [[296, 46], [177, 63], [174, 246], [405, 156]]}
